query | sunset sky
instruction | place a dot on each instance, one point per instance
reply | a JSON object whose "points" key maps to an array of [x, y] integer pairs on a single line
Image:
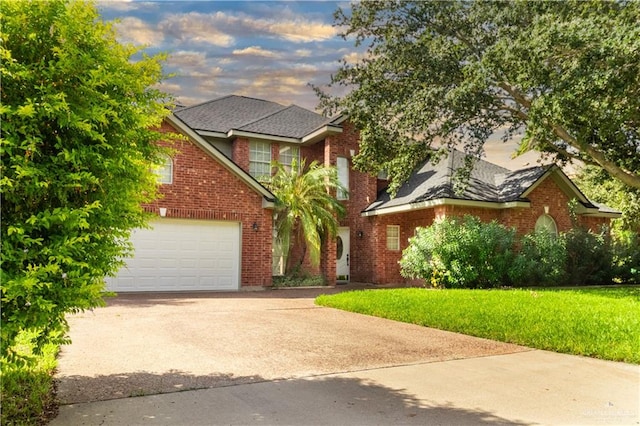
{"points": [[271, 50]]}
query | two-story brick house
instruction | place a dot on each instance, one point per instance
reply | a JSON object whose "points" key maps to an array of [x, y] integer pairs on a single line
{"points": [[214, 225]]}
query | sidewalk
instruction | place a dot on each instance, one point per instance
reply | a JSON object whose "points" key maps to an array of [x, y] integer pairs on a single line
{"points": [[532, 387]]}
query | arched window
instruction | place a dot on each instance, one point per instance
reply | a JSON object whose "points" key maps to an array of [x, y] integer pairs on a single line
{"points": [[545, 223], [165, 170]]}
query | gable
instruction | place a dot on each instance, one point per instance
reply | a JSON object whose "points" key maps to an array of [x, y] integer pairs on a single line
{"points": [[226, 163], [489, 186]]}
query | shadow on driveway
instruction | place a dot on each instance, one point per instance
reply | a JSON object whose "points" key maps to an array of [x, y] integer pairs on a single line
{"points": [[318, 400]]}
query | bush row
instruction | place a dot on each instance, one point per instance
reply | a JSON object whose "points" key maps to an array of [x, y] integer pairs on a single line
{"points": [[468, 253]]}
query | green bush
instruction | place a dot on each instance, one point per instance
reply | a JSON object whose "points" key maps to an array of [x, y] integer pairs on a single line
{"points": [[27, 389], [589, 257], [460, 253], [626, 257], [541, 261]]}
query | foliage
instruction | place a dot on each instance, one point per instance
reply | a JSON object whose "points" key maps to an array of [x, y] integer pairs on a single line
{"points": [[455, 72], [589, 257], [599, 187], [27, 392], [456, 252], [596, 322], [626, 257], [541, 261], [77, 149], [298, 278], [305, 210]]}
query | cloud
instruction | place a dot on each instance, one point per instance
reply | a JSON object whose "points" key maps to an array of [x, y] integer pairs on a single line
{"points": [[196, 27], [136, 31], [255, 51], [298, 30]]}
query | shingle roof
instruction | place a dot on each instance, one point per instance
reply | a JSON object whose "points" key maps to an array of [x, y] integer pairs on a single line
{"points": [[251, 115], [488, 182]]}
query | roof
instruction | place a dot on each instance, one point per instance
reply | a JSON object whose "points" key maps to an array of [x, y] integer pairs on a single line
{"points": [[178, 124], [489, 185], [232, 116]]}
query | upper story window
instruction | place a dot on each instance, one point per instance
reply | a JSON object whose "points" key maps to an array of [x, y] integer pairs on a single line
{"points": [[393, 237], [164, 171], [343, 177], [545, 223], [260, 160], [288, 154]]}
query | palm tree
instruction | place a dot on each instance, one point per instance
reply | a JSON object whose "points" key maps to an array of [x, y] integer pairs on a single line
{"points": [[305, 210]]}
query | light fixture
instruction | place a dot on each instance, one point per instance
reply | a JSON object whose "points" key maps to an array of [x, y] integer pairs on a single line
{"points": [[546, 209], [255, 226], [360, 234], [352, 152], [163, 211]]}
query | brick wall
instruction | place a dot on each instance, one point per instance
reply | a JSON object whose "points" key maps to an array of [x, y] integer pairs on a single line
{"points": [[203, 189]]}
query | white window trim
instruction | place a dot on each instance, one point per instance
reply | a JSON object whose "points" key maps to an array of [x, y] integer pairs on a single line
{"points": [[548, 220], [253, 145], [164, 171], [342, 164], [290, 158], [393, 241]]}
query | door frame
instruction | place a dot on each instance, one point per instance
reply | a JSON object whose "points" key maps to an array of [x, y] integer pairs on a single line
{"points": [[344, 234]]}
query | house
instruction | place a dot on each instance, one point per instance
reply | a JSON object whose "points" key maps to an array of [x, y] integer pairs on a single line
{"points": [[214, 228]]}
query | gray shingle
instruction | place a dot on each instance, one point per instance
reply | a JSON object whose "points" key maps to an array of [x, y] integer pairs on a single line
{"points": [[227, 113], [251, 115], [487, 182]]}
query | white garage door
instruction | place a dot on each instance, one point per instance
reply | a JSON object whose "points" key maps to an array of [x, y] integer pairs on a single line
{"points": [[182, 255]]}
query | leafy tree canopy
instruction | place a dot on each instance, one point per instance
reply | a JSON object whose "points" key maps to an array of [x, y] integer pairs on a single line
{"points": [[453, 73], [598, 186], [76, 152]]}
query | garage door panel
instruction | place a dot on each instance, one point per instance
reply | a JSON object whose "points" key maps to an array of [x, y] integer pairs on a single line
{"points": [[182, 255]]}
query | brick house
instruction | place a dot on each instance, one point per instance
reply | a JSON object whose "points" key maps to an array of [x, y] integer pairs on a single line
{"points": [[214, 224]]}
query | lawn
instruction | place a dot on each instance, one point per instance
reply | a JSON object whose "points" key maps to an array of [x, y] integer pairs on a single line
{"points": [[596, 322], [27, 391]]}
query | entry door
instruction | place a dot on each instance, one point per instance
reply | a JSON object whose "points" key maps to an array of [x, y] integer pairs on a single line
{"points": [[342, 254]]}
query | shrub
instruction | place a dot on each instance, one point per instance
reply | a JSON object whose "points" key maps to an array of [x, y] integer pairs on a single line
{"points": [[541, 260], [460, 253], [589, 257], [626, 257]]}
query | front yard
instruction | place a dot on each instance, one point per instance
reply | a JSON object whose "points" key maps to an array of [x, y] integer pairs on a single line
{"points": [[596, 322]]}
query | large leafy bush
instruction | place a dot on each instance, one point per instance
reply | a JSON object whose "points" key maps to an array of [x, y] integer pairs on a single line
{"points": [[541, 261], [77, 147], [460, 252]]}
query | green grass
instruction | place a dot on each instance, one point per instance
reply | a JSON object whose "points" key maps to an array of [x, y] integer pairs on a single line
{"points": [[601, 323], [27, 392]]}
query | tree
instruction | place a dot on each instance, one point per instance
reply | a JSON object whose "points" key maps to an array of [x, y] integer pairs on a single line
{"points": [[77, 151], [453, 73], [305, 210], [598, 186]]}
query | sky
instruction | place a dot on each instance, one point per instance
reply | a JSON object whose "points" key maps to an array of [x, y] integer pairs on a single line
{"points": [[272, 50]]}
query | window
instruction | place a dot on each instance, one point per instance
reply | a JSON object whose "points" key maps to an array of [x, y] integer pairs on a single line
{"points": [[164, 171], [545, 223], [393, 237], [288, 154], [260, 160], [343, 177]]}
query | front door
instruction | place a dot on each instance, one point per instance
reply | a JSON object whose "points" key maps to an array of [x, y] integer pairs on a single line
{"points": [[342, 255]]}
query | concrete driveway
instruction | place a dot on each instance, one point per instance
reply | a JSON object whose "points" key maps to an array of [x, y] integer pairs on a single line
{"points": [[275, 358]]}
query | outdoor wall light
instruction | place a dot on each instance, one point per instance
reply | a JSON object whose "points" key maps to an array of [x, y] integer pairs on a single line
{"points": [[352, 152], [255, 226], [546, 209], [163, 211], [360, 234]]}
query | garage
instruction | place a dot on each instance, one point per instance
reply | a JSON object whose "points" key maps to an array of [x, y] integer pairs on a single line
{"points": [[182, 255]]}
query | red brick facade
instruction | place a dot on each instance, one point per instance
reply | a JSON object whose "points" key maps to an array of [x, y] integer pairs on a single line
{"points": [[203, 189]]}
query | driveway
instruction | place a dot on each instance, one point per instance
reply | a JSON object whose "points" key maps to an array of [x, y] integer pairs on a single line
{"points": [[147, 344]]}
